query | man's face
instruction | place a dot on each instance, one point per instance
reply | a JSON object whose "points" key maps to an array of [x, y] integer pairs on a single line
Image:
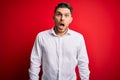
{"points": [[62, 19]]}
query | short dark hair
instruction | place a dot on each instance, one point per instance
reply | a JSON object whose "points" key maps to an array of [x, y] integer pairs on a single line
{"points": [[63, 5]]}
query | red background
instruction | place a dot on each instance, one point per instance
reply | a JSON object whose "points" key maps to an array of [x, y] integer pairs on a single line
{"points": [[97, 20]]}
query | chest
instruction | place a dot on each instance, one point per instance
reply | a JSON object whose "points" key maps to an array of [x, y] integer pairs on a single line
{"points": [[66, 45]]}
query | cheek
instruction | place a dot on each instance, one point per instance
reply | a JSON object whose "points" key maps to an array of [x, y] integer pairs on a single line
{"points": [[68, 22], [56, 20]]}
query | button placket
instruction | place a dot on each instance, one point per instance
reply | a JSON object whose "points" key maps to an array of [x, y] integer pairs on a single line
{"points": [[59, 53]]}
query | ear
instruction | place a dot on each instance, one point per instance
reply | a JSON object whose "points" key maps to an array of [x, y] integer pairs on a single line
{"points": [[71, 19]]}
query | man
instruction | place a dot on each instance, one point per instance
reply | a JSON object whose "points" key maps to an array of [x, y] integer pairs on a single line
{"points": [[59, 50]]}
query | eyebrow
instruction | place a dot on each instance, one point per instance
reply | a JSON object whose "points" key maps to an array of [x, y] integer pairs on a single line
{"points": [[61, 13]]}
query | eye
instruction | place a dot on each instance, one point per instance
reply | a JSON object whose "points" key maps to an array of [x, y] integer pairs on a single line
{"points": [[67, 15], [58, 14]]}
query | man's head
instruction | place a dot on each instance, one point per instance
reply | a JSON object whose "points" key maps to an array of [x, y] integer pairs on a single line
{"points": [[62, 17], [63, 5]]}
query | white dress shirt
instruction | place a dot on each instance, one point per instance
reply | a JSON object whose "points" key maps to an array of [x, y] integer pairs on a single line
{"points": [[59, 55]]}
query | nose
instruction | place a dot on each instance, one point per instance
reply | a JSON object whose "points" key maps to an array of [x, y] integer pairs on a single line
{"points": [[62, 17]]}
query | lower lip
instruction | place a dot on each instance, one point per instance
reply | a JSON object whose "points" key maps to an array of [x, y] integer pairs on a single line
{"points": [[61, 27]]}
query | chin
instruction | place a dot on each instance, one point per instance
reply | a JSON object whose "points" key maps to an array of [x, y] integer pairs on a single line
{"points": [[61, 31]]}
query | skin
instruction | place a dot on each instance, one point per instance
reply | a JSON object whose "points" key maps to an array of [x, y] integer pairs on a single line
{"points": [[62, 18]]}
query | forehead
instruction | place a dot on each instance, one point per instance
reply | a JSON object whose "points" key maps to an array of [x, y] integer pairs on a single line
{"points": [[63, 10]]}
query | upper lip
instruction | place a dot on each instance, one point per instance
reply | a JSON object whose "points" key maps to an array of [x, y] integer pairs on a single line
{"points": [[62, 23]]}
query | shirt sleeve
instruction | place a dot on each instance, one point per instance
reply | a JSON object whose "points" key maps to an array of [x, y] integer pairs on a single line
{"points": [[83, 61], [35, 60]]}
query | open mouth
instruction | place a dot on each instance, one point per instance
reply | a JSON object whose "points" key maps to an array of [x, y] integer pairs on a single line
{"points": [[61, 24]]}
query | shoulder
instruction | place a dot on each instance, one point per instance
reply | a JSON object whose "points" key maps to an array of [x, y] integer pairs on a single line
{"points": [[76, 34], [77, 37], [43, 33]]}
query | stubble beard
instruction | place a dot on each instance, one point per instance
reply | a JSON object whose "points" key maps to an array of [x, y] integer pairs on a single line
{"points": [[60, 31]]}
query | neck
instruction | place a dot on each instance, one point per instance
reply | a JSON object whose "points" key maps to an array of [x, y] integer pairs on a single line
{"points": [[57, 32]]}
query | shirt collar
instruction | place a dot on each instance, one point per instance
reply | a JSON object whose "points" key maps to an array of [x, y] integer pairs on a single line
{"points": [[53, 32]]}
